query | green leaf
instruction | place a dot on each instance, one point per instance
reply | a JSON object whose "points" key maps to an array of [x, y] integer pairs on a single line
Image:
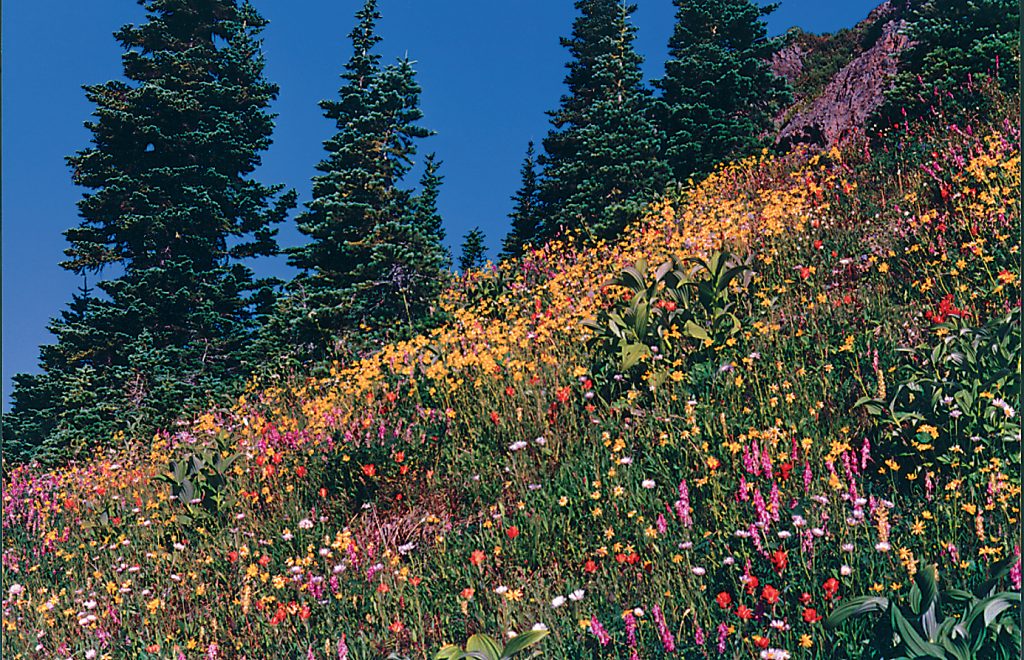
{"points": [[856, 607], [522, 641], [448, 652], [485, 645], [912, 639]]}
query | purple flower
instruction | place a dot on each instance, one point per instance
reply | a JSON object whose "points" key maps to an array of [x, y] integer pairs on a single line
{"points": [[342, 648], [603, 638], [723, 634], [667, 640], [631, 635]]}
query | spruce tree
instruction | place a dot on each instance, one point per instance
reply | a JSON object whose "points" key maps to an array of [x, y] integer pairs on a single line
{"points": [[718, 95], [951, 42], [474, 252], [602, 164], [171, 213], [525, 214], [374, 260]]}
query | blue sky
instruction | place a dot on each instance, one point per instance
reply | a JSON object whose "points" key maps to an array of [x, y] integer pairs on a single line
{"points": [[489, 70]]}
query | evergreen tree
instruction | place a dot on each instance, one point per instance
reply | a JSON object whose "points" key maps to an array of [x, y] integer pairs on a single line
{"points": [[173, 209], [951, 42], [375, 254], [718, 95], [525, 214], [601, 166], [474, 252]]}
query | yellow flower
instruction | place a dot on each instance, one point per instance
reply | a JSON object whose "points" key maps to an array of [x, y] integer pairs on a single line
{"points": [[806, 641]]}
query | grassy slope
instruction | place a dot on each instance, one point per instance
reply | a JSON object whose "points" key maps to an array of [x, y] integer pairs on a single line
{"points": [[394, 505]]}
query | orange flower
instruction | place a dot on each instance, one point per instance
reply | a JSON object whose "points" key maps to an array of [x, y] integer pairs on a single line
{"points": [[396, 627], [399, 456], [467, 593], [494, 417], [383, 588], [477, 557], [370, 470], [590, 566]]}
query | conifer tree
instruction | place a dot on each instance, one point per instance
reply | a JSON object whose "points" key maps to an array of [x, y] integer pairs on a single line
{"points": [[173, 211], [375, 254], [525, 214], [601, 166], [474, 252], [718, 94]]}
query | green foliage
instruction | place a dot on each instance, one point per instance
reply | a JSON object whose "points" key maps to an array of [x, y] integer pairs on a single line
{"points": [[474, 253], [525, 216], [485, 647], [172, 210], [961, 388], [200, 481], [718, 94], [984, 627], [953, 41], [375, 262], [666, 317], [601, 162]]}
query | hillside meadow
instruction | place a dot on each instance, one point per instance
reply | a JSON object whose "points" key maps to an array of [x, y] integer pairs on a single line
{"points": [[713, 476]]}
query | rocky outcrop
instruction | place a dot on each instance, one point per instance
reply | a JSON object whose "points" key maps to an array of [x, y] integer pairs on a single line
{"points": [[853, 93]]}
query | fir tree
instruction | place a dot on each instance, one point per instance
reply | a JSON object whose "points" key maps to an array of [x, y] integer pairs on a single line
{"points": [[525, 214], [718, 95], [601, 166], [474, 252], [951, 43], [173, 209], [375, 254]]}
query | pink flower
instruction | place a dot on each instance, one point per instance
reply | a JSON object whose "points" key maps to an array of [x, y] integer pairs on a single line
{"points": [[603, 638], [667, 640]]}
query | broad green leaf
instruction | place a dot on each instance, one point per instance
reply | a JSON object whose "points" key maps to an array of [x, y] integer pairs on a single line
{"points": [[522, 641], [484, 644], [856, 607]]}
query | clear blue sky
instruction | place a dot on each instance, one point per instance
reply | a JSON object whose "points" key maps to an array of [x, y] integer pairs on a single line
{"points": [[489, 69]]}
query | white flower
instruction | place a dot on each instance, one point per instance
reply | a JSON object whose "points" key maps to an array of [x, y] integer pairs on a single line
{"points": [[637, 611], [179, 546], [774, 654], [784, 534], [1006, 408], [845, 570], [540, 441], [305, 523], [512, 634], [16, 590], [882, 546], [406, 548], [698, 571], [557, 601], [626, 460], [90, 654], [577, 595], [847, 547], [517, 445], [648, 483], [287, 536], [539, 626], [501, 589], [324, 552]]}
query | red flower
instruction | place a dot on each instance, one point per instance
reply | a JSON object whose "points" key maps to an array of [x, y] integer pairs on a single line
{"points": [[762, 642], [301, 471], [415, 581], [620, 558], [399, 456], [233, 556], [370, 470], [383, 588], [811, 615], [512, 532], [723, 599], [396, 627], [817, 244], [744, 613], [590, 566], [786, 468], [263, 561], [805, 598], [805, 272], [510, 391], [632, 559], [323, 492], [770, 595], [477, 557], [563, 393], [831, 587], [751, 585], [779, 560], [494, 417], [305, 613]]}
